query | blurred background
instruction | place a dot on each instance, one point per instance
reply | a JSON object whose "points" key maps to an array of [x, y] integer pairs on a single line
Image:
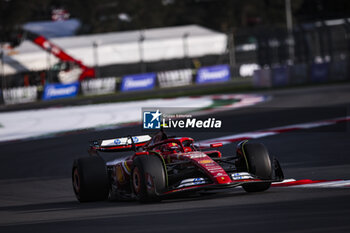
{"points": [[274, 71], [53, 49]]}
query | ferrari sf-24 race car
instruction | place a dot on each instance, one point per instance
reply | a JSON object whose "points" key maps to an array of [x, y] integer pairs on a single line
{"points": [[161, 166]]}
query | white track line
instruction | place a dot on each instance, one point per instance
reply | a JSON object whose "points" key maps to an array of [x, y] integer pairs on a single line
{"points": [[291, 183], [35, 123], [272, 131]]}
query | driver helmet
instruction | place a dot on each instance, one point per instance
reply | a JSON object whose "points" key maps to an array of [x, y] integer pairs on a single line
{"points": [[172, 146]]}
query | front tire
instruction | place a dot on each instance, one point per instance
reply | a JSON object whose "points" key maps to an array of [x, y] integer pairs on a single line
{"points": [[90, 179], [148, 177], [254, 158]]}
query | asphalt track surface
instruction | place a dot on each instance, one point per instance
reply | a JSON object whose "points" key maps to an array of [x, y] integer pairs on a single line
{"points": [[36, 193]]}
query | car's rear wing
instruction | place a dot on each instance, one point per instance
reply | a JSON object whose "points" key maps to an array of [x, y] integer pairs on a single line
{"points": [[121, 144]]}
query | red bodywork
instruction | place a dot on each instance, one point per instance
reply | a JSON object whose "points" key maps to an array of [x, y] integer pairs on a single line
{"points": [[173, 150]]}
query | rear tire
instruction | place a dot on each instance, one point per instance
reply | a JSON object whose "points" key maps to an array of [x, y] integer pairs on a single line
{"points": [[255, 159], [90, 179], [148, 178]]}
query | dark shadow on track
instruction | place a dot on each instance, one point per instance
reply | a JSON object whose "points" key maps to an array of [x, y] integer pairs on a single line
{"points": [[310, 215]]}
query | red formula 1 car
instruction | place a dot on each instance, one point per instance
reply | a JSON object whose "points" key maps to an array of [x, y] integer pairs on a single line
{"points": [[160, 166]]}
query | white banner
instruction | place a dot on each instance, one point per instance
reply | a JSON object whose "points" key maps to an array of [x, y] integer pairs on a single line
{"points": [[175, 78], [20, 95], [98, 86], [124, 47]]}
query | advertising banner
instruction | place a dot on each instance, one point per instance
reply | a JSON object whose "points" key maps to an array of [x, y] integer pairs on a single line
{"points": [[58, 91], [280, 76], [262, 78], [138, 82], [20, 95], [319, 72], [175, 78], [98, 86], [246, 70], [298, 74], [220, 73], [339, 70]]}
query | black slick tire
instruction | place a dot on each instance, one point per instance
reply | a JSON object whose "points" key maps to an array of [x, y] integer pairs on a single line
{"points": [[148, 178], [255, 159], [90, 179]]}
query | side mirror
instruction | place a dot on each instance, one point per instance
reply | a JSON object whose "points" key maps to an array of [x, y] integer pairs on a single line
{"points": [[216, 145]]}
